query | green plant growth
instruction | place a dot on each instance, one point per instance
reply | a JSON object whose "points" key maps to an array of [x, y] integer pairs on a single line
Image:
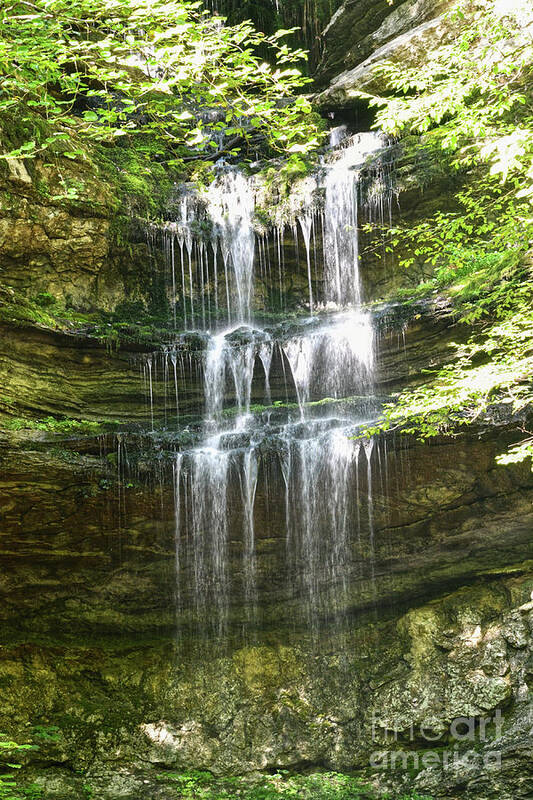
{"points": [[198, 785], [54, 425], [47, 733], [131, 322], [470, 103], [129, 71], [9, 790], [32, 792]]}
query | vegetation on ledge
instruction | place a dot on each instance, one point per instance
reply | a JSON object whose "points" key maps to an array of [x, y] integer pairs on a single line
{"points": [[129, 325], [66, 425], [199, 785], [471, 104]]}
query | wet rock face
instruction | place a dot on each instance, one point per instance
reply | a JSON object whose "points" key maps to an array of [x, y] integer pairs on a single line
{"points": [[44, 372], [56, 235], [47, 373], [93, 662], [449, 683], [467, 690]]}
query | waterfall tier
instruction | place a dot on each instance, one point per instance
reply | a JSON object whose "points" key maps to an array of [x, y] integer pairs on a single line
{"points": [[298, 450], [327, 356], [229, 259], [318, 481]]}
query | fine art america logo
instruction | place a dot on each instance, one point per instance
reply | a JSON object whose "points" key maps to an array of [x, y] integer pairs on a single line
{"points": [[463, 740]]}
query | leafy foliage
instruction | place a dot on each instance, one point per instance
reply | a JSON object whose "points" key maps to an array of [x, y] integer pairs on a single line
{"points": [[164, 72], [471, 95], [8, 784], [471, 105], [198, 785], [494, 368]]}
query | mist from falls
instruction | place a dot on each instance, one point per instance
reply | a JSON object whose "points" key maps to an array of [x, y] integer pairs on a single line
{"points": [[320, 470]]}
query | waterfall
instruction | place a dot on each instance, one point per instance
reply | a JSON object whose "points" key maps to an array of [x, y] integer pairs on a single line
{"points": [[234, 362], [201, 514], [213, 236], [231, 205], [266, 351], [319, 474], [248, 482], [341, 238], [164, 377], [325, 363], [211, 245], [336, 135], [215, 378], [335, 360], [317, 457], [306, 224]]}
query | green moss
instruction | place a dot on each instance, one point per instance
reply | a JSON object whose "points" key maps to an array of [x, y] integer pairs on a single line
{"points": [[55, 425], [45, 300], [278, 405], [142, 183], [16, 309], [42, 188], [47, 733], [130, 323], [18, 128]]}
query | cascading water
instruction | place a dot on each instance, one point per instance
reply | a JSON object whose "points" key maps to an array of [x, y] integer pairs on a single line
{"points": [[341, 236], [337, 134], [209, 251], [231, 207], [323, 469], [212, 246], [316, 456], [335, 360], [318, 532], [201, 507], [227, 362]]}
